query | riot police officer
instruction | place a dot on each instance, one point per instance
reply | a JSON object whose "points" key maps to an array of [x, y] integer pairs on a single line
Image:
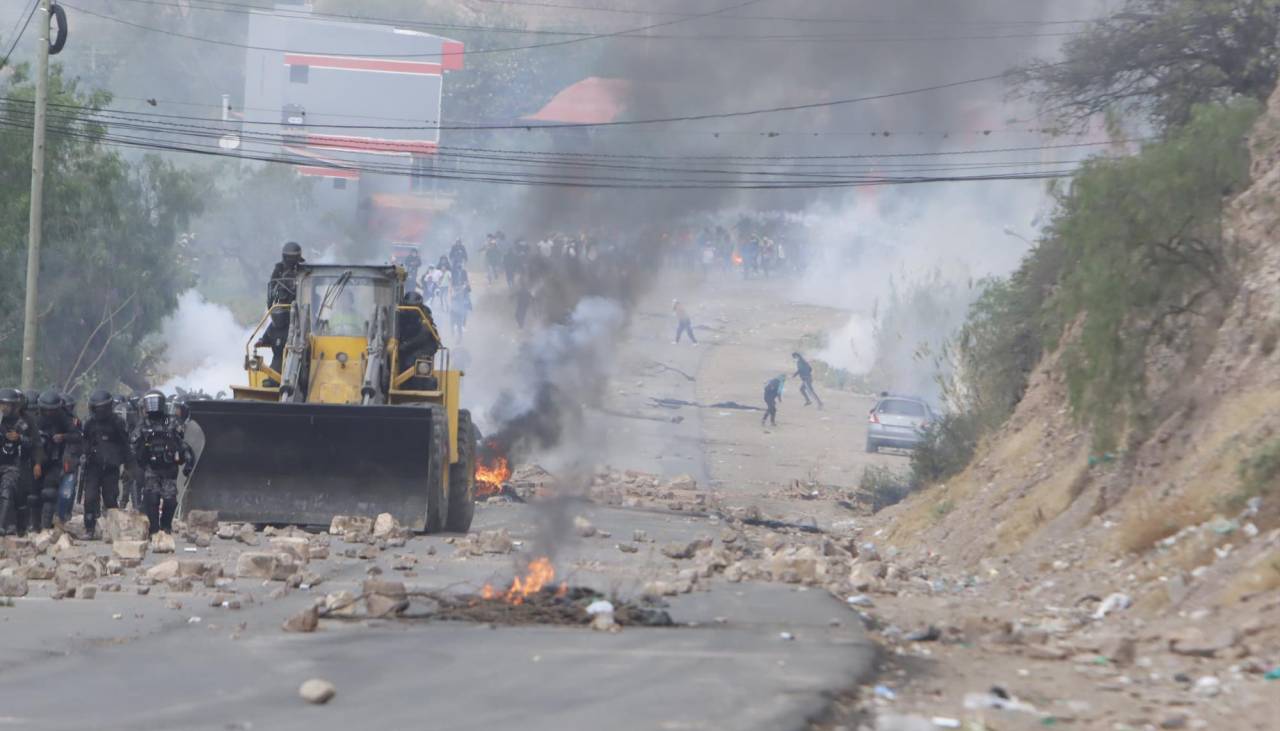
{"points": [[282, 289], [61, 439], [15, 444], [161, 447], [416, 331], [106, 450]]}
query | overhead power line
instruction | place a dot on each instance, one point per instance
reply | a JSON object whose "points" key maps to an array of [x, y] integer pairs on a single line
{"points": [[440, 54], [17, 34], [241, 9]]}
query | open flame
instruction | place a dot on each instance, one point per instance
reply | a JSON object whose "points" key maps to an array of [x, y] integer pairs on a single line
{"points": [[490, 476], [737, 259], [539, 574]]}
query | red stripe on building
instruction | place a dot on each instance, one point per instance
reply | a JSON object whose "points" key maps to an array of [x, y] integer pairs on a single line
{"points": [[371, 144], [347, 63], [451, 55], [324, 172]]}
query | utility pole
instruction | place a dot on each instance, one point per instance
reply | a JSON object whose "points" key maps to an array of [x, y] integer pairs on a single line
{"points": [[35, 222]]}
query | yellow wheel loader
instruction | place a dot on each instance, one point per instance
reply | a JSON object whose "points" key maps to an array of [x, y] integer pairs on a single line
{"points": [[349, 425]]}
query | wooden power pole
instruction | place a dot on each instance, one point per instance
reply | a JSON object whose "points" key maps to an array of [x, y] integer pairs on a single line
{"points": [[34, 223]]}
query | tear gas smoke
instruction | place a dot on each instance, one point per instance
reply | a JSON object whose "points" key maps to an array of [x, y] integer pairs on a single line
{"points": [[203, 343]]}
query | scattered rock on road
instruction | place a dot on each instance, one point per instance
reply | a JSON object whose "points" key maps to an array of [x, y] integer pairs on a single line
{"points": [[11, 585], [305, 621], [162, 542], [317, 691], [203, 521]]}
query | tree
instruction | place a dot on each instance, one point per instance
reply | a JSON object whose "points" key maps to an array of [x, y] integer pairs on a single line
{"points": [[1160, 58], [111, 265]]}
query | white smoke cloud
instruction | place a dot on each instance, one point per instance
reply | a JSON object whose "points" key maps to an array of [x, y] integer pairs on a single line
{"points": [[205, 346]]}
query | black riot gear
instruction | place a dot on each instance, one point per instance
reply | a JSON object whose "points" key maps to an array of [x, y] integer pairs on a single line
{"points": [[15, 445], [161, 447], [106, 450], [413, 299], [291, 254], [101, 403], [62, 439]]}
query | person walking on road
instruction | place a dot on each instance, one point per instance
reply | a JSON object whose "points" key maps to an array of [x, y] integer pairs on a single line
{"points": [[772, 395], [685, 325], [804, 372]]}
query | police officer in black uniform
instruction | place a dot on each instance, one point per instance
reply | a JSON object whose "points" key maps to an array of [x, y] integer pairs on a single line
{"points": [[61, 440], [418, 339], [106, 450], [15, 444], [282, 289], [161, 448]]}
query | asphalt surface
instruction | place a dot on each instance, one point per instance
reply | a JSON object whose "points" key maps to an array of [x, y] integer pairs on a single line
{"points": [[743, 656]]}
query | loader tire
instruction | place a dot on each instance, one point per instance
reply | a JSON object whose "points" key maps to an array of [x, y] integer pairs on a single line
{"points": [[438, 461], [462, 478]]}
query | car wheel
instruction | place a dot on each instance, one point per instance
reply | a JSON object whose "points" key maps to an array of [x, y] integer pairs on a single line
{"points": [[872, 447]]}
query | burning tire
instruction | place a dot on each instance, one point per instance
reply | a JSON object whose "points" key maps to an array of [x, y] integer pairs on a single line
{"points": [[462, 478]]}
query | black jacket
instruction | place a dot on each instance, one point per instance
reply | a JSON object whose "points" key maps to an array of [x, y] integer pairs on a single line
{"points": [[106, 442], [282, 288], [23, 449], [71, 446]]}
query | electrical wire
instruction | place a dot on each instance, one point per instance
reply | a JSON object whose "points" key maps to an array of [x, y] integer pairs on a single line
{"points": [[285, 13], [25, 24], [440, 54]]}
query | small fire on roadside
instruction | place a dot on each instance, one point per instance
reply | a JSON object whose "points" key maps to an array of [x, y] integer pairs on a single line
{"points": [[490, 476], [737, 259], [538, 575]]}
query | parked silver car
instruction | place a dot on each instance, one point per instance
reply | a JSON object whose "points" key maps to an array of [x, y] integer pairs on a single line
{"points": [[898, 422]]}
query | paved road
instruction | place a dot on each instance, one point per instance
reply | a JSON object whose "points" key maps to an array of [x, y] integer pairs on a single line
{"points": [[70, 665]]}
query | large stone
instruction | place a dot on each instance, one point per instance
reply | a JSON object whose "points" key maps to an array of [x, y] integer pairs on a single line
{"points": [[583, 527], [163, 543], [305, 621], [192, 567], [340, 604], [683, 482], [13, 585], [286, 565], [394, 589], [385, 526], [127, 550], [494, 541], [125, 525], [317, 691], [163, 571], [866, 574], [203, 521], [682, 551], [227, 531], [87, 591], [247, 535], [802, 565], [378, 605], [256, 565], [1196, 642], [342, 525], [298, 548]]}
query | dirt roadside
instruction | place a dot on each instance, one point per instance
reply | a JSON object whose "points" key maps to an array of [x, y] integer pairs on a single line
{"points": [[1003, 648]]}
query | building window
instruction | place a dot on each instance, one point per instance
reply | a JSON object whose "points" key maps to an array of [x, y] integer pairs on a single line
{"points": [[339, 183], [298, 74]]}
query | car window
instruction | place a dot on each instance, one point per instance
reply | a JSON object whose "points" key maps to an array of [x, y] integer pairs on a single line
{"points": [[900, 407]]}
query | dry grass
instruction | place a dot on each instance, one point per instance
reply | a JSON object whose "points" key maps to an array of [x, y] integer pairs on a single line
{"points": [[1262, 574], [1202, 475]]}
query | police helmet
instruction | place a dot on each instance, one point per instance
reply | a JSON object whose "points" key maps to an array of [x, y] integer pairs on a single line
{"points": [[10, 398], [292, 253], [412, 299], [153, 404], [101, 403], [51, 402]]}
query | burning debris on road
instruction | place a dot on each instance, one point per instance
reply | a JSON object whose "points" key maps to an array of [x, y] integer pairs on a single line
{"points": [[533, 598]]}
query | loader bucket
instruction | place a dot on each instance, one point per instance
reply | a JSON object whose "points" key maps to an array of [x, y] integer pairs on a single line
{"points": [[302, 464]]}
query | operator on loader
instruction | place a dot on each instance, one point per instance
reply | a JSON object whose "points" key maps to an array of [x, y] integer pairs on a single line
{"points": [[282, 290], [418, 335]]}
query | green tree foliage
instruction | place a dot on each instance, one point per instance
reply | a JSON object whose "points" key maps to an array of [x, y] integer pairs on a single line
{"points": [[111, 267], [1161, 58], [1142, 249]]}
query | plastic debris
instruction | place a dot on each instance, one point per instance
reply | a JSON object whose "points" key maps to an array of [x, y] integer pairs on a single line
{"points": [[600, 606], [1113, 603], [885, 692], [944, 722], [1274, 674]]}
